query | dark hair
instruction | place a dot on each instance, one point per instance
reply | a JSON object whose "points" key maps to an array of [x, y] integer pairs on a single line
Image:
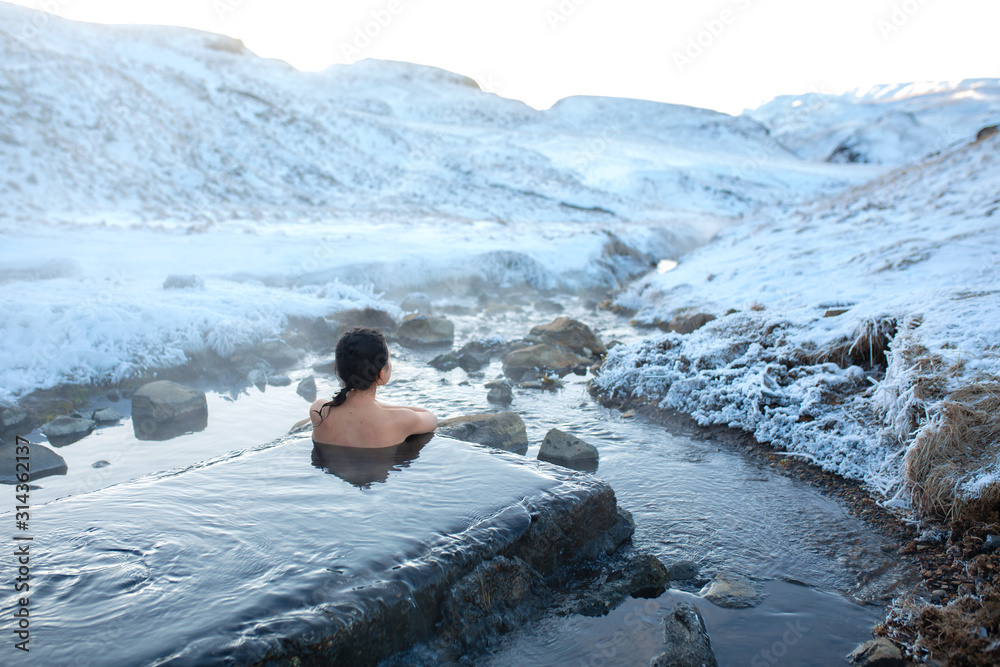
{"points": [[361, 355]]}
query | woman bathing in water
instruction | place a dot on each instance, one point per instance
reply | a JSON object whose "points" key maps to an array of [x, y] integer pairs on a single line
{"points": [[354, 418]]}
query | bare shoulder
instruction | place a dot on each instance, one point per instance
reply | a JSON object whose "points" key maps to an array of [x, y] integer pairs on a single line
{"points": [[316, 408]]}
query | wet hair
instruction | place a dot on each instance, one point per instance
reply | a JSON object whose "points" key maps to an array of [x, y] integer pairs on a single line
{"points": [[361, 355]]}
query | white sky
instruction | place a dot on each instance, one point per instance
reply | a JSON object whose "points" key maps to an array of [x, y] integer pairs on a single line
{"points": [[542, 50]]}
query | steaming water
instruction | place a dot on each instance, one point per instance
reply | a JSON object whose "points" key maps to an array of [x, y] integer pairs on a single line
{"points": [[692, 497]]}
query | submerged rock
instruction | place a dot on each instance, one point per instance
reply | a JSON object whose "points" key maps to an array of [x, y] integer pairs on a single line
{"points": [[878, 652], [43, 462], [307, 389], [731, 591], [503, 430], [426, 331], [643, 577], [563, 447], [571, 335], [688, 643], [66, 430], [498, 596], [165, 409], [542, 357]]}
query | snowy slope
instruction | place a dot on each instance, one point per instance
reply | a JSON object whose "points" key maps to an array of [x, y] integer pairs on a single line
{"points": [[169, 123], [131, 153], [890, 124], [807, 299]]}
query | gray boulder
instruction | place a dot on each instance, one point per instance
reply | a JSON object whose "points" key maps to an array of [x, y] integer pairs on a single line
{"points": [[65, 430], [731, 591], [688, 643], [372, 318], [541, 358], [445, 362], [13, 418], [559, 446], [165, 409], [502, 430], [107, 416], [44, 462], [426, 331], [571, 335], [307, 389]]}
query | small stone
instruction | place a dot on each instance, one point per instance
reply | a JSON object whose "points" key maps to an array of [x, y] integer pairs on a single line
{"points": [[100, 464], [878, 652], [560, 446], [683, 569], [445, 362], [107, 416], [938, 595], [686, 324], [731, 591], [500, 394], [544, 357], [114, 395], [628, 414], [687, 639], [279, 380], [991, 543], [307, 389], [65, 430], [326, 367], [469, 362]]}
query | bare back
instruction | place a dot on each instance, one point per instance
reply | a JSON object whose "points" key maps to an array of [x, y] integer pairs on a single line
{"points": [[361, 421]]}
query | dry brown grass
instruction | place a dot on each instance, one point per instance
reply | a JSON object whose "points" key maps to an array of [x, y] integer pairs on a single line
{"points": [[866, 347], [963, 437]]}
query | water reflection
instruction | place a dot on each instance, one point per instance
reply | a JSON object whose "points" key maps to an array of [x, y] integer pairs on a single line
{"points": [[363, 466]]}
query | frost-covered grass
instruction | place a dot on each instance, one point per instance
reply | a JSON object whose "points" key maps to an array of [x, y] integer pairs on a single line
{"points": [[848, 330]]}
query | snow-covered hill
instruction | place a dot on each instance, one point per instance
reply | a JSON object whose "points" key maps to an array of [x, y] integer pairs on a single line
{"points": [[167, 123], [890, 124]]}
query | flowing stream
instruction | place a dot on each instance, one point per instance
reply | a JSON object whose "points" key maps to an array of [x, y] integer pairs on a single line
{"points": [[693, 496]]}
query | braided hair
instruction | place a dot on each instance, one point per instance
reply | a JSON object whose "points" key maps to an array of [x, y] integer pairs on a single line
{"points": [[361, 355]]}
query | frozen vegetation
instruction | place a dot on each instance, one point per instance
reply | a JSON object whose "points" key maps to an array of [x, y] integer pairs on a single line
{"points": [[130, 154]]}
